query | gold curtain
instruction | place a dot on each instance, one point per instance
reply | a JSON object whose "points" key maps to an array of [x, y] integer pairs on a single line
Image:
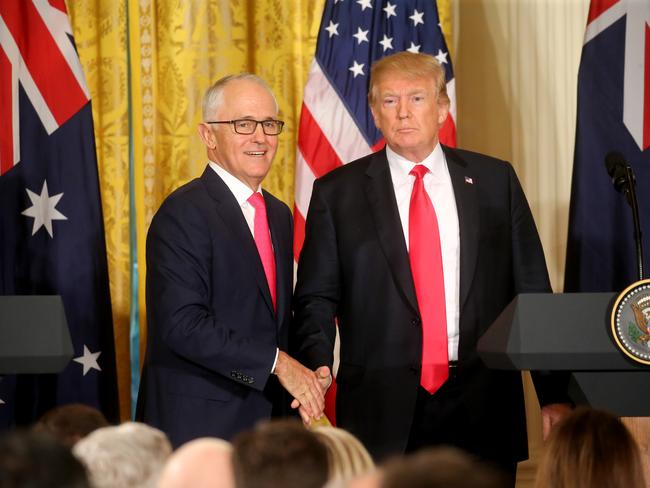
{"points": [[174, 51]]}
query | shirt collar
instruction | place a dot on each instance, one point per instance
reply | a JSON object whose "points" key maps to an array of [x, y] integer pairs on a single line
{"points": [[240, 190], [401, 167]]}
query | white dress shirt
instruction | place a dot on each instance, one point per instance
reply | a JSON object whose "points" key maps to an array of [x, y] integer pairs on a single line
{"points": [[437, 184], [242, 193]]}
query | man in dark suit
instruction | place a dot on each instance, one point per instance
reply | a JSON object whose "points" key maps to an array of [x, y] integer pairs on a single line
{"points": [[219, 281], [416, 249]]}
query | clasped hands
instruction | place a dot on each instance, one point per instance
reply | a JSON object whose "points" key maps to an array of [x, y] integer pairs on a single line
{"points": [[306, 386]]}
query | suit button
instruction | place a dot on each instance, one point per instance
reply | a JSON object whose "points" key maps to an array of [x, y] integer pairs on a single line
{"points": [[415, 321], [414, 369]]}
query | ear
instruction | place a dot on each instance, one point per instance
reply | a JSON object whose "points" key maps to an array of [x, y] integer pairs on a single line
{"points": [[207, 136], [443, 112], [374, 116]]}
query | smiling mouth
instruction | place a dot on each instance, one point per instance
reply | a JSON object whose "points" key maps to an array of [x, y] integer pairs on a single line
{"points": [[255, 153]]}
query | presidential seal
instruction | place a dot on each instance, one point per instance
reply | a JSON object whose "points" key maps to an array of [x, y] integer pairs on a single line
{"points": [[631, 321]]}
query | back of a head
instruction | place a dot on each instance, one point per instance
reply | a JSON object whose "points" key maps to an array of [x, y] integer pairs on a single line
{"points": [[590, 448], [37, 460], [439, 467], [129, 455], [279, 454], [71, 422], [346, 455], [201, 463]]}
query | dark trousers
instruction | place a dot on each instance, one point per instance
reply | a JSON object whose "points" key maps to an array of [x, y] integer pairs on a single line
{"points": [[441, 419]]}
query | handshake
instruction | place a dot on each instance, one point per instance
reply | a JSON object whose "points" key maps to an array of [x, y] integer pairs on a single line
{"points": [[306, 386]]}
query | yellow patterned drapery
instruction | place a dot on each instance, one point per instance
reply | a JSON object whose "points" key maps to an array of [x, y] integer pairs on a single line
{"points": [[167, 53]]}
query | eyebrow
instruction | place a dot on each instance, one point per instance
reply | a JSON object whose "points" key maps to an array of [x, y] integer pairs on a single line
{"points": [[412, 92]]}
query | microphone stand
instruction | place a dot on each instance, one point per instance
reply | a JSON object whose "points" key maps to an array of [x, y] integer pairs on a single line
{"points": [[631, 194]]}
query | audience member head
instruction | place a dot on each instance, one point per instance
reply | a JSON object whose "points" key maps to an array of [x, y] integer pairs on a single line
{"points": [[201, 463], [346, 456], [439, 467], [279, 454], [590, 448], [37, 460], [69, 423], [127, 455]]}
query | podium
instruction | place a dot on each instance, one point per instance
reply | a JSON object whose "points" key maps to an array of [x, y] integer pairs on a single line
{"points": [[569, 332], [34, 335]]}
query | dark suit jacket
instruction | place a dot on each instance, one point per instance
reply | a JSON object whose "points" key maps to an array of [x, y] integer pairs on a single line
{"points": [[354, 265], [212, 331]]}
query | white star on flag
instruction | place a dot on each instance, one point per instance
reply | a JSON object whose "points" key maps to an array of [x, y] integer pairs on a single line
{"points": [[361, 35], [357, 69], [43, 209], [333, 29], [89, 360], [390, 10], [417, 18], [414, 48], [364, 4], [386, 42], [441, 57]]}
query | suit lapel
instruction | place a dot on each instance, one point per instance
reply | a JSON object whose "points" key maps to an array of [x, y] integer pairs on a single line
{"points": [[231, 213], [383, 207], [280, 253], [464, 183]]}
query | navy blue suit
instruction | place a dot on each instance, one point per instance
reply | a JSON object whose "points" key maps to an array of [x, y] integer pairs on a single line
{"points": [[354, 266], [212, 330]]}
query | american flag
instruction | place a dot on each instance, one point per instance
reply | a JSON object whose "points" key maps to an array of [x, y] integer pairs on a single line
{"points": [[51, 227], [613, 115], [336, 126]]}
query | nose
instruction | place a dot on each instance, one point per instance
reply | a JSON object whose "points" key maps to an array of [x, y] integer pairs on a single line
{"points": [[402, 110], [258, 135]]}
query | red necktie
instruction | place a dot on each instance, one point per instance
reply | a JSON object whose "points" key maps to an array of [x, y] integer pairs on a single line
{"points": [[426, 267], [263, 241]]}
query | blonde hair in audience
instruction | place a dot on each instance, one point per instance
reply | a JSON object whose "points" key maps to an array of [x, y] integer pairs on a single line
{"points": [[346, 456], [590, 448]]}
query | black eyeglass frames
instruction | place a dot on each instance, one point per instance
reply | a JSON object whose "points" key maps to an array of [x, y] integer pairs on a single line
{"points": [[248, 126]]}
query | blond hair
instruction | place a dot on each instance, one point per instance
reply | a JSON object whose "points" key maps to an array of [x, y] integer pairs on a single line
{"points": [[408, 65], [346, 456]]}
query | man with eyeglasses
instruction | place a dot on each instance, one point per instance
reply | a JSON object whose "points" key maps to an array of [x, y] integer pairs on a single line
{"points": [[219, 283]]}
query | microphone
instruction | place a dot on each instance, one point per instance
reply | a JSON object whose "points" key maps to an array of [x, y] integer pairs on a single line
{"points": [[624, 182], [617, 170]]}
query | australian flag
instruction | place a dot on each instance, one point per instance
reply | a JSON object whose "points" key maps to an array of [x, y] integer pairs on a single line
{"points": [[51, 228], [613, 115]]}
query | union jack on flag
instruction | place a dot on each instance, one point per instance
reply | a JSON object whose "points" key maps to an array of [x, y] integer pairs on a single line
{"points": [[51, 227], [336, 126], [613, 115]]}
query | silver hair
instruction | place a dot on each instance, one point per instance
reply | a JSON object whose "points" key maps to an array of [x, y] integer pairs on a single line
{"points": [[213, 98], [129, 455]]}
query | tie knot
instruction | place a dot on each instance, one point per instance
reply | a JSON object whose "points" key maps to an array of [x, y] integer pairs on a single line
{"points": [[257, 201], [419, 170]]}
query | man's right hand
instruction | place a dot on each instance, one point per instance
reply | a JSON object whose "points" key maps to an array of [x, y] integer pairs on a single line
{"points": [[324, 375], [303, 384]]}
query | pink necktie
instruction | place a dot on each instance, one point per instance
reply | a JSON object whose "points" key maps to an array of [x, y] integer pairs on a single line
{"points": [[426, 267], [263, 241]]}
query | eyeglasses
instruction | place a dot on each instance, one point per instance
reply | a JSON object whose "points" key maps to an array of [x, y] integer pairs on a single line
{"points": [[248, 126]]}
